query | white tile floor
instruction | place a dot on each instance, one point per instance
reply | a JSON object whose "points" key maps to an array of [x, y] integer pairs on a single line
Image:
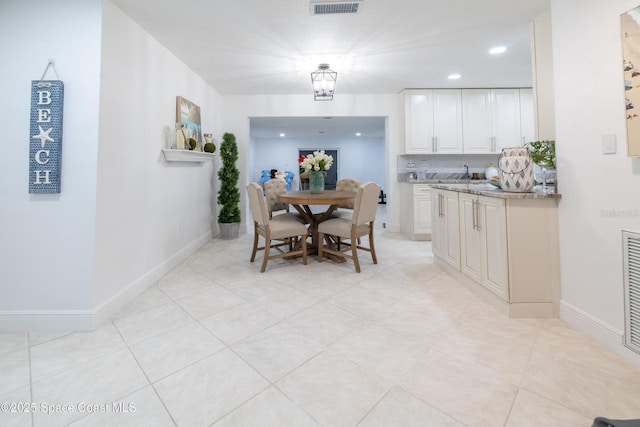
{"points": [[401, 344]]}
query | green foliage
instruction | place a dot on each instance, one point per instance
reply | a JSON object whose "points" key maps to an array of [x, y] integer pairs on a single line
{"points": [[229, 195], [543, 152]]}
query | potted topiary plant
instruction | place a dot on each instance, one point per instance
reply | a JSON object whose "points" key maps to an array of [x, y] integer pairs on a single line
{"points": [[229, 194]]}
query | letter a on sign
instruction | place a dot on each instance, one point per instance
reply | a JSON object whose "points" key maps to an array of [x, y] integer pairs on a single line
{"points": [[45, 137]]}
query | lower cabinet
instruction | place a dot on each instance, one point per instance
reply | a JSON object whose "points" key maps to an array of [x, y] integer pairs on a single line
{"points": [[416, 211], [445, 238], [503, 249], [483, 242]]}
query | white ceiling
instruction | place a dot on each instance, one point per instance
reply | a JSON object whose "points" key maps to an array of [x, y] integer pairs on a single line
{"points": [[272, 46]]}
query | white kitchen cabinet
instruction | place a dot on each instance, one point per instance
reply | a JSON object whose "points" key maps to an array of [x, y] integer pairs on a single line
{"points": [[416, 211], [445, 239], [491, 120], [508, 251], [433, 121], [483, 242]]}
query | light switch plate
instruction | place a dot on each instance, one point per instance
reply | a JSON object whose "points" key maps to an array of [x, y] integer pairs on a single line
{"points": [[609, 143]]}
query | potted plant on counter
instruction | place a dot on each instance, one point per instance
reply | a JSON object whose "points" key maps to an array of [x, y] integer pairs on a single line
{"points": [[543, 154], [229, 194]]}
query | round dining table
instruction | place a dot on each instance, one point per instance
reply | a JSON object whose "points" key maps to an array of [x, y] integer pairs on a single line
{"points": [[303, 200]]}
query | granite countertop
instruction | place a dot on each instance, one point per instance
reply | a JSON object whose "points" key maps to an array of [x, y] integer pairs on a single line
{"points": [[486, 189], [443, 181]]}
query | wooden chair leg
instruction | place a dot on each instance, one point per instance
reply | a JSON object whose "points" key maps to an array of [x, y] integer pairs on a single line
{"points": [[354, 251], [371, 245], [255, 242], [267, 251]]}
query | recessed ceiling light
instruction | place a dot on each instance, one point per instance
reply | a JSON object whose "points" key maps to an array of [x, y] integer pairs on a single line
{"points": [[497, 50], [282, 135], [454, 76], [358, 134]]}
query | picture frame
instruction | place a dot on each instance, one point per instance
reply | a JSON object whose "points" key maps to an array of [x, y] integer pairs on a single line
{"points": [[630, 31], [188, 114]]}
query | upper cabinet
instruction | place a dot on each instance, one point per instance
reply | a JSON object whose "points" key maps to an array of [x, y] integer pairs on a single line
{"points": [[469, 121], [433, 121]]}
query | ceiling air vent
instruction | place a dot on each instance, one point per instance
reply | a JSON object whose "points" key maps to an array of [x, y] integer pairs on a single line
{"points": [[334, 7]]}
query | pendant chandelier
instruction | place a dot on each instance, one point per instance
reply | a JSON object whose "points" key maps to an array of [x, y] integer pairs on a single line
{"points": [[324, 83]]}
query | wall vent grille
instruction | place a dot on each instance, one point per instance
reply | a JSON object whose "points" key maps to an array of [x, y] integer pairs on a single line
{"points": [[631, 255], [334, 7]]}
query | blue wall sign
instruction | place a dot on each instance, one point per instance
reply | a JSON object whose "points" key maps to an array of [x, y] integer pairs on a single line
{"points": [[45, 138]]}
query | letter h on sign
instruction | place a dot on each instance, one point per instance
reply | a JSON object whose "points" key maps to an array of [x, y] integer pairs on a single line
{"points": [[45, 137]]}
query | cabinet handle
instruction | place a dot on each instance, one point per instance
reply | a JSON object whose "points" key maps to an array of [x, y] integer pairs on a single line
{"points": [[433, 144], [473, 214], [478, 215]]}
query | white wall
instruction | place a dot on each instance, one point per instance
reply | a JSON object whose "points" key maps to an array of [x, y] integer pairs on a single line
{"points": [[150, 213], [46, 241], [361, 158], [589, 98], [124, 216], [238, 109]]}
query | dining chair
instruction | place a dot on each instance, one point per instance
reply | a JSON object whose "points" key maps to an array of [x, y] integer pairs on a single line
{"points": [[272, 189], [350, 229], [345, 210], [276, 232]]}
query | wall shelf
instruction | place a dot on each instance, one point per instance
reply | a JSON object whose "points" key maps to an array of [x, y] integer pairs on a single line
{"points": [[172, 155]]}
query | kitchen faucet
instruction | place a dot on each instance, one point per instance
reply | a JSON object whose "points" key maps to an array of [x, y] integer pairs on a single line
{"points": [[466, 172]]}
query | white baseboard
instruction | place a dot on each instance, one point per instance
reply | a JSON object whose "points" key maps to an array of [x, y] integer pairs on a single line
{"points": [[87, 320], [600, 331]]}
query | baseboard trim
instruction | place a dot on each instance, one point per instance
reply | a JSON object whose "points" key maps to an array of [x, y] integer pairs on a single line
{"points": [[600, 331], [88, 320]]}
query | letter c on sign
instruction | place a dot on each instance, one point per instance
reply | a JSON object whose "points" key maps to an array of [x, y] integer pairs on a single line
{"points": [[39, 160]]}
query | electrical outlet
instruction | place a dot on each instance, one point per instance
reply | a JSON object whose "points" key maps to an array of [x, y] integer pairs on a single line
{"points": [[609, 143]]}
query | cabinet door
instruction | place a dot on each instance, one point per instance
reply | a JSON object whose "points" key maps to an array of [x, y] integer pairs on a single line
{"points": [[505, 115], [493, 246], [476, 121], [447, 121], [527, 116], [437, 224], [470, 236], [418, 122], [421, 209], [452, 229]]}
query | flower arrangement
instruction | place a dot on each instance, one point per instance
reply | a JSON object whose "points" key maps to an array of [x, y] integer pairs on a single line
{"points": [[318, 161]]}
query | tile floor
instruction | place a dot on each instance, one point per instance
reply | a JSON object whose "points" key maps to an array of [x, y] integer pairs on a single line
{"points": [[215, 342]]}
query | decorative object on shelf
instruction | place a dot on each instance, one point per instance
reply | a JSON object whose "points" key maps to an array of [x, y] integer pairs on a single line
{"points": [[188, 114], [516, 170], [181, 137], [229, 194], [543, 154], [318, 162], [209, 146], [324, 83], [490, 171]]}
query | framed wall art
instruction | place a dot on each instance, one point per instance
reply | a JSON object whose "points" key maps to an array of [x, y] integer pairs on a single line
{"points": [[630, 26], [188, 114]]}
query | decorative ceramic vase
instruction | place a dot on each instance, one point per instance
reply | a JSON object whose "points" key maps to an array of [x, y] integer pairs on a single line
{"points": [[316, 182], [490, 172]]}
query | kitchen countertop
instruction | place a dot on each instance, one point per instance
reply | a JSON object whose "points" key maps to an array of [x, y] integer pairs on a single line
{"points": [[486, 189], [444, 181]]}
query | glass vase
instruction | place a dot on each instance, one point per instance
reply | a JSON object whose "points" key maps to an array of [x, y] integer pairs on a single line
{"points": [[316, 182]]}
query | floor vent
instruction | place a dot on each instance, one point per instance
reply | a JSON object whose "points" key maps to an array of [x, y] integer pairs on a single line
{"points": [[631, 254], [334, 7]]}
